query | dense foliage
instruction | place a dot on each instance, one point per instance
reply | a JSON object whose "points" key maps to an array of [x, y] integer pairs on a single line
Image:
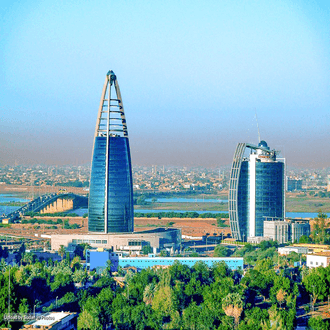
{"points": [[178, 297], [175, 298]]}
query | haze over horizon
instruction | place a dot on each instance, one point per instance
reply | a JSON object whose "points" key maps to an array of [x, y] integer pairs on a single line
{"points": [[192, 76]]}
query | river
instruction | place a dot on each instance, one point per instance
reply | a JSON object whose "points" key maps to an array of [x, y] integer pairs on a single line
{"points": [[19, 197], [187, 200]]}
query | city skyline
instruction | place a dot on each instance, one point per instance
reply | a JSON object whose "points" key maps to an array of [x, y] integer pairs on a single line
{"points": [[193, 78]]}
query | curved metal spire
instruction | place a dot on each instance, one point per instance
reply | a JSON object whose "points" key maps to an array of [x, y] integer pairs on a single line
{"points": [[111, 119]]}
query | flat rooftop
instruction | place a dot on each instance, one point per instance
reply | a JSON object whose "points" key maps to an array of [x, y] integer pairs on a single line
{"points": [[49, 319]]}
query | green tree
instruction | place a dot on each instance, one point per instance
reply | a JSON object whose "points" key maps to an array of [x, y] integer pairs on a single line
{"points": [[316, 283], [104, 301], [80, 250], [221, 251], [258, 283], [164, 253], [23, 307], [220, 270], [80, 276], [75, 263], [19, 255], [4, 252], [88, 320], [275, 322], [190, 317], [67, 258], [61, 251], [3, 265], [28, 258], [146, 249], [304, 239], [164, 299], [62, 283], [282, 284], [253, 319], [319, 233], [149, 293], [232, 305], [281, 295], [4, 285], [317, 323]]}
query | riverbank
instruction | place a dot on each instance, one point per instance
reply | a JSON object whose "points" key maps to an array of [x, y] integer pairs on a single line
{"points": [[199, 206], [293, 204]]}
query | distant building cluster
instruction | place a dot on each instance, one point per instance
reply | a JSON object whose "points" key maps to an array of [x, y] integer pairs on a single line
{"points": [[178, 179], [43, 176], [294, 184]]}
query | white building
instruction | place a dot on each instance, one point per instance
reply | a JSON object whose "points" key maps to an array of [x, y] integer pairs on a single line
{"points": [[318, 260], [53, 320], [288, 249], [277, 230]]}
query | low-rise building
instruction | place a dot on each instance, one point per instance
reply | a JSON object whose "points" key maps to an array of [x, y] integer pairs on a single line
{"points": [[277, 230], [314, 248], [298, 229], [257, 239], [318, 260], [288, 249], [284, 231], [96, 259], [53, 321], [158, 239]]}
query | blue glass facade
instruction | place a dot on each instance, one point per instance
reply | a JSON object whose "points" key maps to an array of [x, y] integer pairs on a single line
{"points": [[111, 193], [269, 195], [269, 190]]}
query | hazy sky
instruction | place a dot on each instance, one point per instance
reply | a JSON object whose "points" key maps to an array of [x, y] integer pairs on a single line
{"points": [[192, 75]]}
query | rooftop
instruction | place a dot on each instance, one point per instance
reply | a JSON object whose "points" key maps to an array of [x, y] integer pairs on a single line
{"points": [[48, 319]]}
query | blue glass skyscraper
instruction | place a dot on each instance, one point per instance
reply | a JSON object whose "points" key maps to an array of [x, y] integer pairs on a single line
{"points": [[256, 190], [110, 204]]}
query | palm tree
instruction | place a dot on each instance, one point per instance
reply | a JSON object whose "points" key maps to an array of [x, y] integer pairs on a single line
{"points": [[232, 304], [281, 295], [149, 293], [61, 251], [27, 258], [3, 265]]}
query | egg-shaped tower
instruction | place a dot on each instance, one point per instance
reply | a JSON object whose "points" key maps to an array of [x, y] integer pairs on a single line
{"points": [[110, 203]]}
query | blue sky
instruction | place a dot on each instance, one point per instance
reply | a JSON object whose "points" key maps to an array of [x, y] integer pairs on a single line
{"points": [[192, 76]]}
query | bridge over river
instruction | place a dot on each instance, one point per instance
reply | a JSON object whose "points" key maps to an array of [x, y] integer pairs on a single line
{"points": [[49, 203]]}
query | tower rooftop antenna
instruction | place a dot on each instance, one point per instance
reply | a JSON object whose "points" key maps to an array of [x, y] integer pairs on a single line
{"points": [[258, 127]]}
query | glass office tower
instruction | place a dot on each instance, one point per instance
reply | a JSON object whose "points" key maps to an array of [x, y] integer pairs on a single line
{"points": [[110, 204], [256, 190]]}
